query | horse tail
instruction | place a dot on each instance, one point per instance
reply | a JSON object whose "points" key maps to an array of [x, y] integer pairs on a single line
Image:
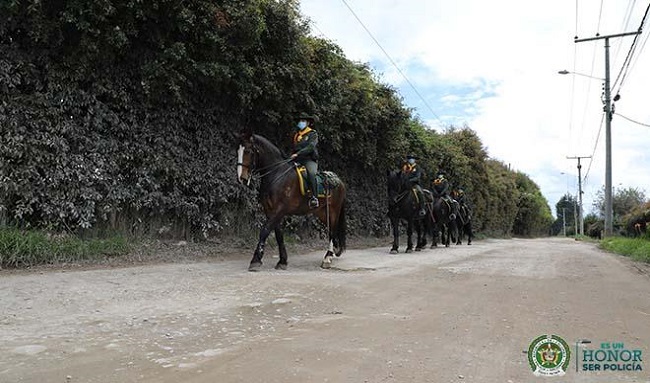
{"points": [[341, 229]]}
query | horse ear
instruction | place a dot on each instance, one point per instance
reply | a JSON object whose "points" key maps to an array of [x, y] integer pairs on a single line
{"points": [[246, 134]]}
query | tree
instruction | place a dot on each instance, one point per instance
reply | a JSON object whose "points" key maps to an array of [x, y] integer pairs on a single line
{"points": [[565, 211], [624, 200]]}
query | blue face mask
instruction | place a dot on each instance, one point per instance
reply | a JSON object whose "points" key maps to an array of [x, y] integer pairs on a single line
{"points": [[302, 125], [411, 161]]}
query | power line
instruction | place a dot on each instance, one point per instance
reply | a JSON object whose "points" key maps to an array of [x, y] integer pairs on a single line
{"points": [[593, 153], [631, 120], [647, 35], [394, 64], [628, 59]]}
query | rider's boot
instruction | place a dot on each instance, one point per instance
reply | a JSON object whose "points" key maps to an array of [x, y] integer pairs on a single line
{"points": [[313, 201]]}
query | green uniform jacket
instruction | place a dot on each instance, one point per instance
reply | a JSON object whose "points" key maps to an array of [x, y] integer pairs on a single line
{"points": [[305, 146], [415, 175]]}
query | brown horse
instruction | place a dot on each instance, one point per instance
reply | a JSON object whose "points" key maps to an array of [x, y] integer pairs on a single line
{"points": [[280, 195]]}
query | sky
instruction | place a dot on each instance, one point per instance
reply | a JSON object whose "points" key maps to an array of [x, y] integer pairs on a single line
{"points": [[493, 66]]}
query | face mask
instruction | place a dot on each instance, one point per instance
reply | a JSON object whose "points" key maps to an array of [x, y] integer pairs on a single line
{"points": [[411, 161], [302, 125]]}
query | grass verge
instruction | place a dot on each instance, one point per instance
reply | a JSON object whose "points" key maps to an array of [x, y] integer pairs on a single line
{"points": [[635, 248], [27, 248]]}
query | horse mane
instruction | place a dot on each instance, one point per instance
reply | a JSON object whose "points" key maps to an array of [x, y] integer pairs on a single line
{"points": [[268, 147], [396, 181]]}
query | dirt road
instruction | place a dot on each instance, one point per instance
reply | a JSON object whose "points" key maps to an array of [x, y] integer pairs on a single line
{"points": [[458, 314]]}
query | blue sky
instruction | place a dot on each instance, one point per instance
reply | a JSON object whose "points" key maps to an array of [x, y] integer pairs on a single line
{"points": [[493, 66]]}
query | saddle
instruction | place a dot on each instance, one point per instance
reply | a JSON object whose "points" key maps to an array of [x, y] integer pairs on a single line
{"points": [[325, 180]]}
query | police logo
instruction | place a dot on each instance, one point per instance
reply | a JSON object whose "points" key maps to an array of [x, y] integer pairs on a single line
{"points": [[549, 355]]}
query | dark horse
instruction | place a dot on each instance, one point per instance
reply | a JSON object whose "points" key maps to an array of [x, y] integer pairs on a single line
{"points": [[403, 206], [444, 222], [464, 224], [280, 196]]}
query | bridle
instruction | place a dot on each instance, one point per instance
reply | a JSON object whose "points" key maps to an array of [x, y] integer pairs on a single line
{"points": [[250, 148], [402, 190], [252, 165]]}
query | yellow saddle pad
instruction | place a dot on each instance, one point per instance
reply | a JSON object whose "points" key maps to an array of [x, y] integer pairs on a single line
{"points": [[304, 183]]}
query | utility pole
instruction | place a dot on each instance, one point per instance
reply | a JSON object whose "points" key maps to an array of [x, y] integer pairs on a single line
{"points": [[608, 129], [564, 221], [580, 215], [575, 219]]}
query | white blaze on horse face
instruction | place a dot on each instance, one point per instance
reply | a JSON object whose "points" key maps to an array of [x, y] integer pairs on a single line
{"points": [[240, 159]]}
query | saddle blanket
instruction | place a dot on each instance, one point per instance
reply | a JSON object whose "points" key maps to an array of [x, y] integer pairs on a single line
{"points": [[325, 180]]}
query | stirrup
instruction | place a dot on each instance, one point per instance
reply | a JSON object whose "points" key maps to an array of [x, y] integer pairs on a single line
{"points": [[422, 212], [313, 202]]}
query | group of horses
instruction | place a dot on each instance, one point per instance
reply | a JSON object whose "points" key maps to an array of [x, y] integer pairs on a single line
{"points": [[444, 219], [281, 196]]}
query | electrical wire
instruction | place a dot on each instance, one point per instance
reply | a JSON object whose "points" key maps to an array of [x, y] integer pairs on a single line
{"points": [[394, 64], [626, 64], [593, 153], [631, 120]]}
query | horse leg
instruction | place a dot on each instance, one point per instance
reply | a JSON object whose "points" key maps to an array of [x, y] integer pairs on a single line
{"points": [[395, 223], [327, 259], [409, 236], [459, 235], [256, 262], [435, 232], [445, 234], [470, 234], [424, 229], [418, 230], [279, 236]]}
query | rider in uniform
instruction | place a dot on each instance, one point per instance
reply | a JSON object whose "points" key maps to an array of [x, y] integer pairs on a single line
{"points": [[414, 174], [305, 152]]}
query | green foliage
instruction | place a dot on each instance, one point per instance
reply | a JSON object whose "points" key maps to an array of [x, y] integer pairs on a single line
{"points": [[636, 248], [501, 209], [20, 248], [624, 200], [566, 212], [637, 220], [534, 215]]}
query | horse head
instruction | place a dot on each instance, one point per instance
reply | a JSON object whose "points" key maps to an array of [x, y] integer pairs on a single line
{"points": [[257, 154], [246, 157], [397, 183]]}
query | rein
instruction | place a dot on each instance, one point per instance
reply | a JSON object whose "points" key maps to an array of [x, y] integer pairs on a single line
{"points": [[400, 197], [264, 170], [272, 167]]}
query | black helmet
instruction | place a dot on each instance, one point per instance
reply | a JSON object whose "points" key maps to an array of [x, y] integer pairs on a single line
{"points": [[308, 117], [411, 155]]}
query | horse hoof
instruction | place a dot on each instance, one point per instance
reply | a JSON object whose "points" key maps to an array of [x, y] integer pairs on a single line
{"points": [[281, 266], [393, 251], [255, 266], [418, 249], [326, 265], [409, 250]]}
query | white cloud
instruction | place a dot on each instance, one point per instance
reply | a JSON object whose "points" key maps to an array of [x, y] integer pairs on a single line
{"points": [[493, 65]]}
